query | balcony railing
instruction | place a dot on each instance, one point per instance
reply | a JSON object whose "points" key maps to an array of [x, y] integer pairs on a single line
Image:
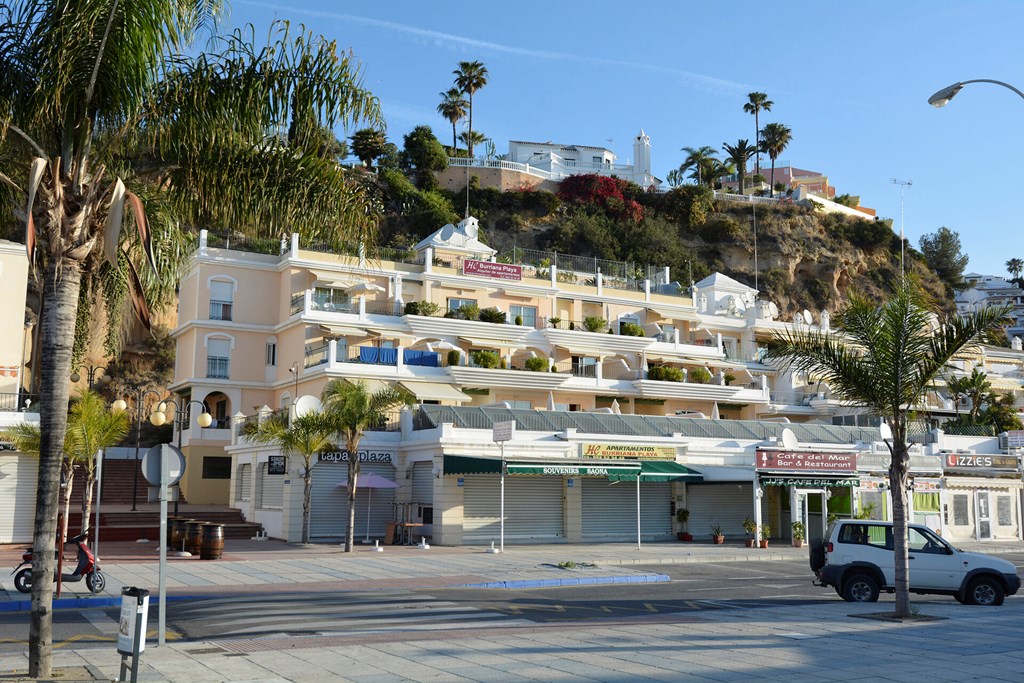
{"points": [[316, 355], [580, 325], [14, 402], [217, 368], [577, 369], [220, 310]]}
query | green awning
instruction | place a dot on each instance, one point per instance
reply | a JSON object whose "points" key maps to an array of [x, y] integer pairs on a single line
{"points": [[612, 471], [467, 464], [660, 471]]}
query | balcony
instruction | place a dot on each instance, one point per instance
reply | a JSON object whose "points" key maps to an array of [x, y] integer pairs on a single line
{"points": [[217, 368], [220, 310]]}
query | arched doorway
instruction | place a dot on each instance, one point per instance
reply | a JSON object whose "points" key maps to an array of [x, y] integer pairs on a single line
{"points": [[219, 406]]}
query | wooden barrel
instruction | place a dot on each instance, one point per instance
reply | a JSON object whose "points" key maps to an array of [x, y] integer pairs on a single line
{"points": [[212, 547], [176, 532], [194, 537]]}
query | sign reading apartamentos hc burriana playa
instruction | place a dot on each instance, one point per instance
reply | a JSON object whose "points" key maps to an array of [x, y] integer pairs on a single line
{"points": [[806, 461], [499, 271], [627, 451]]}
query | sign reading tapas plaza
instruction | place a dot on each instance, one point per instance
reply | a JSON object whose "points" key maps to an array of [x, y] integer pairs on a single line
{"points": [[364, 456], [806, 461], [627, 451], [498, 271]]}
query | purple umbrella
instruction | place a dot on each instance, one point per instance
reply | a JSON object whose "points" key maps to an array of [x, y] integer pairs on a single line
{"points": [[371, 481]]}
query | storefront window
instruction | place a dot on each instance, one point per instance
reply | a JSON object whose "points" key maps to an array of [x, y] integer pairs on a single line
{"points": [[960, 510], [1004, 512]]}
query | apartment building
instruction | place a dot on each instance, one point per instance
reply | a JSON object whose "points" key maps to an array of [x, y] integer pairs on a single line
{"points": [[992, 290], [610, 378]]}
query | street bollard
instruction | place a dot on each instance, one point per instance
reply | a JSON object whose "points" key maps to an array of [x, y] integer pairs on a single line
{"points": [[131, 635]]}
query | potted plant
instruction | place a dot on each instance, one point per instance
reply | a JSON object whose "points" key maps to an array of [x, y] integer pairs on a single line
{"points": [[750, 526], [716, 534], [799, 534], [766, 533], [683, 516]]}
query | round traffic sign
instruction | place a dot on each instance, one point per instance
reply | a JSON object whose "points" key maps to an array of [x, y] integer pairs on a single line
{"points": [[151, 464]]}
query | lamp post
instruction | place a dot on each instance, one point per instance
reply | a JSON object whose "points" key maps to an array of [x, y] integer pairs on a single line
{"points": [[119, 405], [182, 412], [95, 374], [942, 97]]}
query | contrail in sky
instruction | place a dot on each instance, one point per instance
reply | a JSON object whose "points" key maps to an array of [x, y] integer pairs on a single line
{"points": [[701, 81]]}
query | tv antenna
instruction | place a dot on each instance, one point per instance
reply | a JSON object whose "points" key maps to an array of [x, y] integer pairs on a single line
{"points": [[904, 184]]}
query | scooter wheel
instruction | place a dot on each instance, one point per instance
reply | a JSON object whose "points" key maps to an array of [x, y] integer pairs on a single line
{"points": [[96, 582], [23, 580]]}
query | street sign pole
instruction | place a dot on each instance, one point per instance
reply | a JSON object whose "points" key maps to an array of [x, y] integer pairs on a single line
{"points": [[165, 462], [500, 433]]}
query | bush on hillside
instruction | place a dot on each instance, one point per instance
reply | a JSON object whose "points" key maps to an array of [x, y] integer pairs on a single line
{"points": [[597, 193]]}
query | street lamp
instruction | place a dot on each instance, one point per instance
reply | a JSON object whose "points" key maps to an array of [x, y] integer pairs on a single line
{"points": [[119, 406], [942, 97], [96, 375], [182, 412]]}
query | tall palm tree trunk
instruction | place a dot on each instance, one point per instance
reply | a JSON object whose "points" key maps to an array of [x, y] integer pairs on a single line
{"points": [[455, 140], [353, 476], [772, 184], [742, 176], [898, 484], [469, 139], [62, 281], [757, 145], [307, 491], [87, 489]]}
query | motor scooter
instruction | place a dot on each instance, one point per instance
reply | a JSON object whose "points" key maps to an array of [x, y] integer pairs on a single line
{"points": [[87, 569]]}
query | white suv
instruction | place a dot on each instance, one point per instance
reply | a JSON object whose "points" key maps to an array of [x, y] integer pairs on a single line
{"points": [[856, 558]]}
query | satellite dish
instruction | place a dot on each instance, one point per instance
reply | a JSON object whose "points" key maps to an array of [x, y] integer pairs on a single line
{"points": [[885, 431], [807, 317], [789, 439], [773, 309], [447, 232], [741, 306], [306, 404]]}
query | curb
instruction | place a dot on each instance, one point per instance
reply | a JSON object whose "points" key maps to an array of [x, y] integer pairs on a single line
{"points": [[584, 581], [82, 603]]}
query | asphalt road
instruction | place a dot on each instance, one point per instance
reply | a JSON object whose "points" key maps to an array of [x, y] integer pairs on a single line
{"points": [[693, 589]]}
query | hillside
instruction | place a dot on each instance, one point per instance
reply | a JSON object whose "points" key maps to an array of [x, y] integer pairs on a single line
{"points": [[805, 258]]}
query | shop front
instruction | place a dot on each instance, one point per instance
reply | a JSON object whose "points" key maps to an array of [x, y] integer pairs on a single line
{"points": [[872, 499], [558, 500], [981, 497], [375, 502]]}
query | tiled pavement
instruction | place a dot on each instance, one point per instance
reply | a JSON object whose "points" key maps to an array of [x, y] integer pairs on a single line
{"points": [[792, 643]]}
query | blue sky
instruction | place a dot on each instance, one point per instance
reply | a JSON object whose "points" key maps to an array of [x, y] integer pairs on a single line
{"points": [[850, 79]]}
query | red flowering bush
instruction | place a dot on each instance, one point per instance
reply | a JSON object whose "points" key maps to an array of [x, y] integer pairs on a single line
{"points": [[601, 193]]}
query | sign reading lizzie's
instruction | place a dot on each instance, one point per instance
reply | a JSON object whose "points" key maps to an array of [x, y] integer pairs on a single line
{"points": [[499, 271], [806, 461]]}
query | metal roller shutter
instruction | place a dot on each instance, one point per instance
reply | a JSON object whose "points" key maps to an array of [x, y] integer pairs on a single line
{"points": [[533, 508], [271, 489], [724, 504], [244, 482], [17, 497], [423, 483], [609, 511], [328, 508]]}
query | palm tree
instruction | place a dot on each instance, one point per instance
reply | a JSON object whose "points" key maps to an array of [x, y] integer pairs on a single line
{"points": [[1014, 267], [470, 77], [93, 428], [368, 144], [453, 107], [104, 102], [775, 139], [352, 409], [886, 358], [739, 155], [756, 101], [976, 388], [697, 159], [472, 138], [305, 436]]}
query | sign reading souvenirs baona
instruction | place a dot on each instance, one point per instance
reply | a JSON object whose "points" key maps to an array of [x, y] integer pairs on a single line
{"points": [[498, 271], [806, 461], [626, 451]]}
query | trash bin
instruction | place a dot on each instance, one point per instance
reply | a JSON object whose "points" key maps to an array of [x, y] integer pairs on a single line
{"points": [[212, 547], [194, 537]]}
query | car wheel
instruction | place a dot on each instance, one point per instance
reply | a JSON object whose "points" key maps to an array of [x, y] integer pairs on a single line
{"points": [[860, 588], [23, 580], [986, 591]]}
